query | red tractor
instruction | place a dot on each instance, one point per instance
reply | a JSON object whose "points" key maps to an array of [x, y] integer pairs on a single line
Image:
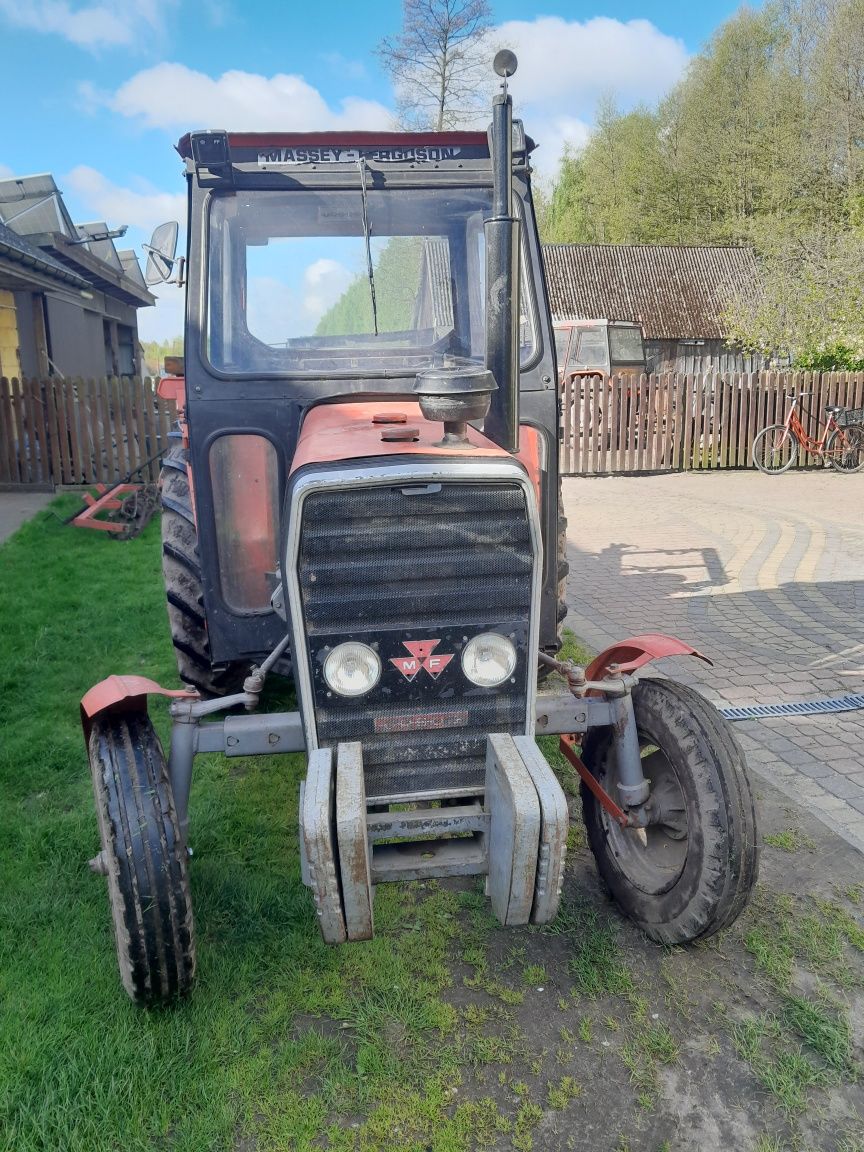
{"points": [[364, 494]]}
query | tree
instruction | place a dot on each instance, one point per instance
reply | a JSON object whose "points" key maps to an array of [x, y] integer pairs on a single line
{"points": [[436, 61], [397, 276], [761, 143], [155, 351], [809, 303]]}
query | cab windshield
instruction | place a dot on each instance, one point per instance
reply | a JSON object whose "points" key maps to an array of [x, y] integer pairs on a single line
{"points": [[290, 289]]}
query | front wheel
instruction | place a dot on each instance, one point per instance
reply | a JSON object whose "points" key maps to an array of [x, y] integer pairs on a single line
{"points": [[775, 449], [693, 871], [845, 449], [144, 857]]}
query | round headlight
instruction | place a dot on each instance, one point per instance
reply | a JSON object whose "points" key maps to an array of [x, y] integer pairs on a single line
{"points": [[352, 669], [488, 660]]}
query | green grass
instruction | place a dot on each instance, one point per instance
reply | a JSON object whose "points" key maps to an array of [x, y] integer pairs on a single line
{"points": [[429, 1038], [789, 840], [284, 1038], [818, 934]]}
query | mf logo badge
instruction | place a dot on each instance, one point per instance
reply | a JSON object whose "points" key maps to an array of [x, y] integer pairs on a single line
{"points": [[421, 657]]}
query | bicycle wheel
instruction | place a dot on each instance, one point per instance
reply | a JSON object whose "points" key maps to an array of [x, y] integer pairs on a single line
{"points": [[774, 449], [848, 454]]}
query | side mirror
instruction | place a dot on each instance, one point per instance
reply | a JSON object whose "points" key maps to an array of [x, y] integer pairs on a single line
{"points": [[161, 253]]}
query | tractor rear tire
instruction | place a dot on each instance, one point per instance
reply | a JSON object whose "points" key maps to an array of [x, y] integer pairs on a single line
{"points": [[145, 858], [562, 572], [181, 569], [694, 875]]}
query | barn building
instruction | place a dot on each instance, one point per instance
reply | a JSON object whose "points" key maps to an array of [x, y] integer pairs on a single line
{"points": [[677, 293]]}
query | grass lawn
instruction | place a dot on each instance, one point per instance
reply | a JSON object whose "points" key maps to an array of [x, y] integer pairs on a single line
{"points": [[446, 1032]]}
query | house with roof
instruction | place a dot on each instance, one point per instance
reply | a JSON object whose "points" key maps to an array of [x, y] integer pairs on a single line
{"points": [[69, 299], [677, 293]]}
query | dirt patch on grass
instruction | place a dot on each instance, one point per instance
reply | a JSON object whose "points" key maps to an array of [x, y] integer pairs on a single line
{"points": [[599, 1039]]}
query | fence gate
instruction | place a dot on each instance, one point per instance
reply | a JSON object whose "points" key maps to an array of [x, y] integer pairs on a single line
{"points": [[687, 423], [79, 431]]}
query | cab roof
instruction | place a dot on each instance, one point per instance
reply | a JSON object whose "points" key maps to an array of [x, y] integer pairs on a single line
{"points": [[267, 140]]}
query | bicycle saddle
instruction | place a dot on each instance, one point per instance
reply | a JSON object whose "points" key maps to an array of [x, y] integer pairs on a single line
{"points": [[829, 408]]}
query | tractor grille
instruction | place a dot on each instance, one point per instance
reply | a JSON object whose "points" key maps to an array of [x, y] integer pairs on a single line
{"points": [[390, 565]]}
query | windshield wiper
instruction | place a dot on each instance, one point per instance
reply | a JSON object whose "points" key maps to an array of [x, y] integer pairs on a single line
{"points": [[361, 164]]}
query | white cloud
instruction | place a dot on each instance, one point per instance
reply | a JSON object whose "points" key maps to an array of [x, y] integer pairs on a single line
{"points": [[568, 60], [324, 281], [166, 319], [279, 310], [565, 66], [5, 172], [271, 309], [174, 96], [88, 26], [143, 207]]}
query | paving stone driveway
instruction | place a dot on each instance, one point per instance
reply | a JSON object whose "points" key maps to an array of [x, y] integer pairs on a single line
{"points": [[763, 574]]}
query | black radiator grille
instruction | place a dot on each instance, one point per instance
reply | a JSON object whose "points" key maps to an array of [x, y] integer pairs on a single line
{"points": [[388, 565]]}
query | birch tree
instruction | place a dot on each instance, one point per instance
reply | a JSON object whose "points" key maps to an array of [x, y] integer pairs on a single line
{"points": [[437, 62]]}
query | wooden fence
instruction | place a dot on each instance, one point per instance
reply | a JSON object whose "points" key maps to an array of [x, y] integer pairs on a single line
{"points": [[666, 423], [85, 431], [79, 431]]}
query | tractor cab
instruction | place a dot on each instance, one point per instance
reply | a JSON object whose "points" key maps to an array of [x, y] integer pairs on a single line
{"points": [[598, 348]]}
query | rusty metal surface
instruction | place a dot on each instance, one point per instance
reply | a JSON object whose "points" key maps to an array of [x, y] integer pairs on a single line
{"points": [[353, 843], [425, 859], [514, 835], [676, 292], [318, 837], [554, 826], [568, 749]]}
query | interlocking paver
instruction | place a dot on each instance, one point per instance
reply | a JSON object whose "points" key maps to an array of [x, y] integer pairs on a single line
{"points": [[763, 574]]}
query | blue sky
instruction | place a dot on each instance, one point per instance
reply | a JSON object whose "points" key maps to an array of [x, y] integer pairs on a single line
{"points": [[97, 94]]}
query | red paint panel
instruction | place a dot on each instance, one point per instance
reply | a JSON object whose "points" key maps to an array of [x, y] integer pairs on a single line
{"points": [[638, 650], [346, 432]]}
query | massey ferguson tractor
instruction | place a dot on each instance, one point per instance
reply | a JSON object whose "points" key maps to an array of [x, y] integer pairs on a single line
{"points": [[364, 495]]}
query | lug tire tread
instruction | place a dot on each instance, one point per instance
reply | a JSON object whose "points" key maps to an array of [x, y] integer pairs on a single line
{"points": [[181, 569], [148, 881], [722, 863]]}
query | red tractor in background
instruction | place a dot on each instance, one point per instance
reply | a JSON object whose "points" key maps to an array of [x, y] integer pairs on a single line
{"points": [[364, 494]]}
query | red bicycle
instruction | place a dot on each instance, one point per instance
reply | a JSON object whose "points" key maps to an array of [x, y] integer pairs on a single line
{"points": [[775, 448]]}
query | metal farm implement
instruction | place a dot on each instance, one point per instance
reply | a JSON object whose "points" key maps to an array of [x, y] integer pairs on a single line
{"points": [[367, 498]]}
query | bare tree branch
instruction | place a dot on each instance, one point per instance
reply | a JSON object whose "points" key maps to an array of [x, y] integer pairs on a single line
{"points": [[436, 62]]}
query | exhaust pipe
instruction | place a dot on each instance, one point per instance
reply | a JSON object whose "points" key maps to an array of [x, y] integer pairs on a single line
{"points": [[502, 272]]}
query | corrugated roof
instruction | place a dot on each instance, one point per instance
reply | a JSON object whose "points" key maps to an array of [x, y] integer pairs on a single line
{"points": [[16, 248], [676, 292]]}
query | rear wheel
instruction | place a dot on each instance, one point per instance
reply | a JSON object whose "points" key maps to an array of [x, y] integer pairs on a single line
{"points": [[775, 449], [693, 873], [562, 571], [845, 449], [144, 857], [181, 569]]}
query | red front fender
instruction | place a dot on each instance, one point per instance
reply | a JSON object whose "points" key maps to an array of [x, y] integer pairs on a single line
{"points": [[638, 650], [128, 692]]}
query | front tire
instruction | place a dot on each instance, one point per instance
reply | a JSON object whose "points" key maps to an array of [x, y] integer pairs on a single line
{"points": [[775, 450], [145, 858], [695, 874], [848, 455]]}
